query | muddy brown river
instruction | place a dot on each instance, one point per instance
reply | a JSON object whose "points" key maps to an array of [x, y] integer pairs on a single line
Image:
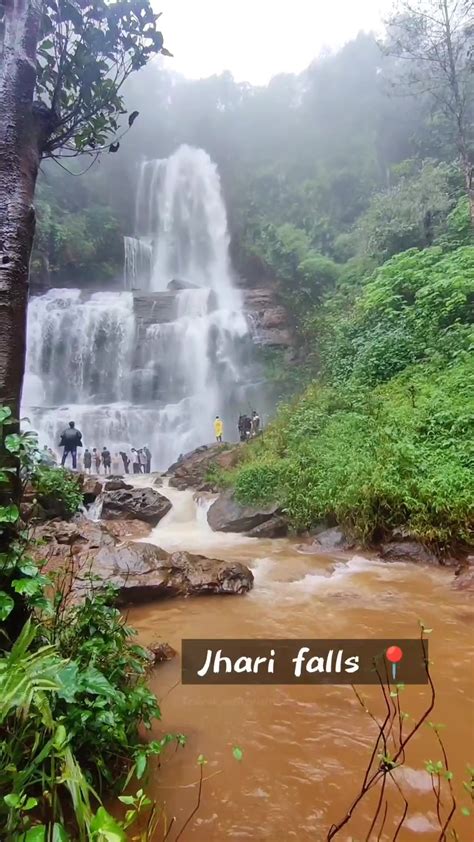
{"points": [[305, 748]]}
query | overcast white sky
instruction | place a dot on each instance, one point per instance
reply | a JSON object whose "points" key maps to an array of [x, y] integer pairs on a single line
{"points": [[256, 39]]}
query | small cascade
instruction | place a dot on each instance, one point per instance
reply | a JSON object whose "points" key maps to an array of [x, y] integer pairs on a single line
{"points": [[158, 378], [138, 262]]}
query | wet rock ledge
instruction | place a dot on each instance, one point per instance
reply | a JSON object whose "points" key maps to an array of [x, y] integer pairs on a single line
{"points": [[140, 571]]}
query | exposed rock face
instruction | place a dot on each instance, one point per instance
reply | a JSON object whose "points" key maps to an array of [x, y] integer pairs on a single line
{"points": [[408, 551], [154, 307], [227, 515], [275, 527], [91, 488], [190, 470], [140, 571], [328, 540], [135, 504], [116, 484], [267, 319], [143, 572]]}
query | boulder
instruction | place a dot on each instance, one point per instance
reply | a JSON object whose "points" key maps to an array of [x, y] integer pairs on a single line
{"points": [[191, 469], [135, 504], [140, 571], [408, 551], [143, 572], [178, 285], [327, 540], [275, 527], [116, 484], [227, 515], [91, 488]]}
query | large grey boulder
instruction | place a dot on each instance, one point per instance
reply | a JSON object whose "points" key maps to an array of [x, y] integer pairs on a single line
{"points": [[143, 572], [327, 540], [227, 515], [408, 551], [135, 504]]}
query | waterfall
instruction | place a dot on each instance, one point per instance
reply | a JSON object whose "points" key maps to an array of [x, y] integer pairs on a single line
{"points": [[157, 374]]}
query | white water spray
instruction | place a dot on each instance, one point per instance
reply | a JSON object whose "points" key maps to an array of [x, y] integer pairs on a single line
{"points": [[130, 381]]}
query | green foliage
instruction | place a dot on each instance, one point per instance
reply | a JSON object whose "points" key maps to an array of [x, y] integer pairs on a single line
{"points": [[416, 307], [411, 214], [371, 460], [387, 442], [107, 698], [85, 53], [73, 691], [81, 244], [59, 484]]}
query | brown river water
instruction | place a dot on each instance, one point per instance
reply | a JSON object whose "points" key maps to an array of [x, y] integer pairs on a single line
{"points": [[305, 748]]}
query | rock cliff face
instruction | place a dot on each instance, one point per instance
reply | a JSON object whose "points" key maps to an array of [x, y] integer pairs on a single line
{"points": [[268, 321]]}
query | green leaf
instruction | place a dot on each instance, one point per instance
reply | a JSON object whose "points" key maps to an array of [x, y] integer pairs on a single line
{"points": [[13, 443], [127, 799], [30, 803], [93, 681], [9, 514], [6, 605], [140, 765], [28, 567], [465, 811], [132, 117], [5, 412], [60, 738], [238, 753], [105, 828], [28, 586], [68, 680], [12, 800]]}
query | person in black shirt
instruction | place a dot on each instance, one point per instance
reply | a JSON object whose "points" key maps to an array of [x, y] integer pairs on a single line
{"points": [[71, 439]]}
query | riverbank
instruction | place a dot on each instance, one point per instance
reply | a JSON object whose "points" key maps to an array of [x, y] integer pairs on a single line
{"points": [[304, 748]]}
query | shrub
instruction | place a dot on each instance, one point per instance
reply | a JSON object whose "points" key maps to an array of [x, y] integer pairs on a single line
{"points": [[60, 485]]}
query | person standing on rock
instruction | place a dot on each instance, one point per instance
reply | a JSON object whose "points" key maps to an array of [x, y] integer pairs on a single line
{"points": [[125, 460], [87, 460], [116, 464], [71, 439], [218, 428], [135, 461], [247, 428], [96, 460], [107, 460], [147, 453], [142, 462], [255, 423]]}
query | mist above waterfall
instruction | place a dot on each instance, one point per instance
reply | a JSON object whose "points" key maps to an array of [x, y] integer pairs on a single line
{"points": [[155, 362]]}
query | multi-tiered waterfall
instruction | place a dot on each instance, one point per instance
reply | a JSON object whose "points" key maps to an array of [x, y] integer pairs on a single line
{"points": [[154, 363]]}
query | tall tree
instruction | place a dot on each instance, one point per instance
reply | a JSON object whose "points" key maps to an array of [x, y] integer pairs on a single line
{"points": [[63, 64], [437, 37]]}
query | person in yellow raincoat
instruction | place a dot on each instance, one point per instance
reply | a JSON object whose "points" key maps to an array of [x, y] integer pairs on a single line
{"points": [[218, 428]]}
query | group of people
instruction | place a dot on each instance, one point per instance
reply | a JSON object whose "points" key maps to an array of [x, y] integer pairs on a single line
{"points": [[248, 426], [95, 461]]}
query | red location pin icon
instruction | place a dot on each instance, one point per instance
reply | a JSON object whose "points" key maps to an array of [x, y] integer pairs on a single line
{"points": [[394, 654]]}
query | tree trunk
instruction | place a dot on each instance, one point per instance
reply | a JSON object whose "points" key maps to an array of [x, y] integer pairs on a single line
{"points": [[19, 162]]}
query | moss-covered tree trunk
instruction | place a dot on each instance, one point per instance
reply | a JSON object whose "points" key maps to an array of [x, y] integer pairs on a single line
{"points": [[19, 162]]}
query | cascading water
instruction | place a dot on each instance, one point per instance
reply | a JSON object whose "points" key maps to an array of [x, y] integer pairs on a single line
{"points": [[155, 363]]}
